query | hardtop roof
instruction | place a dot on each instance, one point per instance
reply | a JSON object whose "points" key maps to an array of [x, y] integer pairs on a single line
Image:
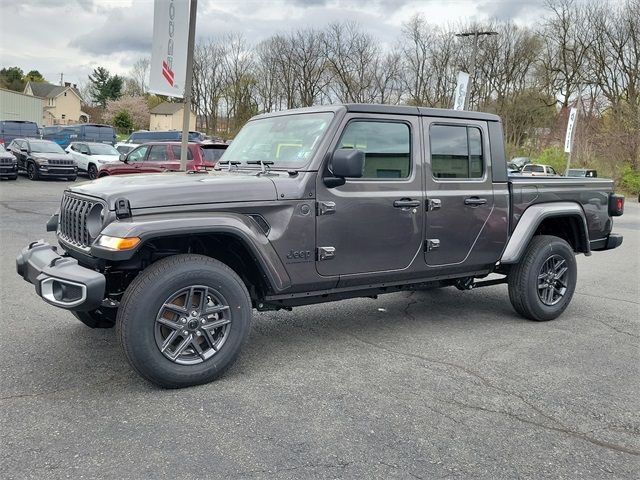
{"points": [[389, 110]]}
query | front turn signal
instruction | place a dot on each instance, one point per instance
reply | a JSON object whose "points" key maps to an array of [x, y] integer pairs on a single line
{"points": [[117, 243]]}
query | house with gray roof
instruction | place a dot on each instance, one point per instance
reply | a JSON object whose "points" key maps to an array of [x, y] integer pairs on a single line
{"points": [[62, 103]]}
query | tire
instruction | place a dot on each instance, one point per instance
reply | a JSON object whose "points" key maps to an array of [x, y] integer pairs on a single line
{"points": [[543, 298], [92, 171], [32, 171], [143, 316], [97, 318]]}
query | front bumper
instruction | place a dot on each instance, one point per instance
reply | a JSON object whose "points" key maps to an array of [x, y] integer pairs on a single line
{"points": [[8, 170], [53, 172], [60, 281]]}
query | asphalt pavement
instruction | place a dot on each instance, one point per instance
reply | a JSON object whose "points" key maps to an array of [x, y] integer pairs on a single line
{"points": [[437, 384]]}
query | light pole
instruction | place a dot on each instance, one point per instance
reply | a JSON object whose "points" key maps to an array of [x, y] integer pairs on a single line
{"points": [[472, 74], [184, 144]]}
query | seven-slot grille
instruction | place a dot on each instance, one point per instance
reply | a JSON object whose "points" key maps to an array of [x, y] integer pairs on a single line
{"points": [[65, 163], [72, 221]]}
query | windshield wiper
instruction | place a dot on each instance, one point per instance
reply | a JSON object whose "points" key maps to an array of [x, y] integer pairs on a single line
{"points": [[228, 162], [264, 164]]}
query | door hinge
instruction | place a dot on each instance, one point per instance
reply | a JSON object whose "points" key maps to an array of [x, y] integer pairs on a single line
{"points": [[325, 208], [326, 253], [431, 244], [433, 204]]}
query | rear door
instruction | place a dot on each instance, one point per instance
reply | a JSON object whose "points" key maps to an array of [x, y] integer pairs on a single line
{"points": [[158, 159], [460, 195]]}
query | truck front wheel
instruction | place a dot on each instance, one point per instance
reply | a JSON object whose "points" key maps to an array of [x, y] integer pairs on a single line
{"points": [[541, 285], [183, 320]]}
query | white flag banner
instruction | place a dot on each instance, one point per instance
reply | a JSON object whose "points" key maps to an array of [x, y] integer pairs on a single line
{"points": [[169, 50], [461, 91], [568, 140]]}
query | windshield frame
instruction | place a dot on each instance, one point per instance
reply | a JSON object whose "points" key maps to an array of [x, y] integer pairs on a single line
{"points": [[301, 165]]}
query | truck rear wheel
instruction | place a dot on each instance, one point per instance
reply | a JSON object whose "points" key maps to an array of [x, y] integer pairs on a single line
{"points": [[183, 320], [541, 285]]}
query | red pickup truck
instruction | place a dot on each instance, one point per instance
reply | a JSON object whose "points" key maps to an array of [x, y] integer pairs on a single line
{"points": [[164, 157]]}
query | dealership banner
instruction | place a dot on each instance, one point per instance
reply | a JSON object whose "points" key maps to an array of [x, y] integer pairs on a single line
{"points": [[169, 49], [568, 139], [461, 91]]}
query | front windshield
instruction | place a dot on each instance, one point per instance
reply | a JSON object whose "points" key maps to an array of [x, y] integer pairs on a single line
{"points": [[45, 147], [288, 141], [102, 149]]}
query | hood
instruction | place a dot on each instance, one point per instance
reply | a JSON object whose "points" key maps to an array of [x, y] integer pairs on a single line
{"points": [[105, 158], [51, 156], [176, 189]]}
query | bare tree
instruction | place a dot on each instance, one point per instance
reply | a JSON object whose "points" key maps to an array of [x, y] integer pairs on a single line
{"points": [[140, 74]]}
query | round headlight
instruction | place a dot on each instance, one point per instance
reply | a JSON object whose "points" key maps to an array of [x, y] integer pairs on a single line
{"points": [[95, 220]]}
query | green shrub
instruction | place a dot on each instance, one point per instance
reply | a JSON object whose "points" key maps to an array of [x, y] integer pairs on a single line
{"points": [[630, 180]]}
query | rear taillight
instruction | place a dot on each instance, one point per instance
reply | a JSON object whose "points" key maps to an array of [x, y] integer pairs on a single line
{"points": [[616, 205]]}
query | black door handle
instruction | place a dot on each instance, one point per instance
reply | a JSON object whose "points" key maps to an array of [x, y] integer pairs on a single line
{"points": [[406, 203], [475, 201]]}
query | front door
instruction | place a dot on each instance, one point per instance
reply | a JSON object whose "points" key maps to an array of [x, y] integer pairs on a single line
{"points": [[460, 197], [373, 223]]}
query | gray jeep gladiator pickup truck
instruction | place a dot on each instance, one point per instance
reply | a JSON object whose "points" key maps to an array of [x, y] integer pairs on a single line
{"points": [[307, 206]]}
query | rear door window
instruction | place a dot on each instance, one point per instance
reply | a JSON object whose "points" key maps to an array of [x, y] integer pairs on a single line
{"points": [[456, 151], [176, 152], [158, 153]]}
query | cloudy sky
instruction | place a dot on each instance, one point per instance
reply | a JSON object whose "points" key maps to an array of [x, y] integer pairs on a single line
{"points": [[75, 36]]}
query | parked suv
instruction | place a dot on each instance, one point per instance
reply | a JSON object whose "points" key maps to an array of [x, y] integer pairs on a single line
{"points": [[10, 129], [156, 158], [535, 170], [90, 156], [43, 159], [309, 206], [8, 165], [582, 172]]}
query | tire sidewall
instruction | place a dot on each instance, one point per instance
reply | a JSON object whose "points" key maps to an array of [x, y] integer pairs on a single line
{"points": [[540, 310], [94, 169], [32, 171], [138, 325]]}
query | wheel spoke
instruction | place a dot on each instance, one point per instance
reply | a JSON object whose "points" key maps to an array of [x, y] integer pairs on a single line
{"points": [[558, 265], [204, 295], [169, 340], [561, 273], [183, 345], [175, 309], [210, 340], [198, 348], [169, 323], [216, 309], [216, 324]]}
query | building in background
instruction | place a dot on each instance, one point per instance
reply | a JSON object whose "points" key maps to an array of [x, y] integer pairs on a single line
{"points": [[18, 106], [62, 103], [168, 116]]}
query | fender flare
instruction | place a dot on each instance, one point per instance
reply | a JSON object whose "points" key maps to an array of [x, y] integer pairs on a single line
{"points": [[165, 225], [531, 220]]}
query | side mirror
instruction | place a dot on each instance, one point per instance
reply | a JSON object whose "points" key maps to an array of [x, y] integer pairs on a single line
{"points": [[345, 163], [123, 157], [25, 150]]}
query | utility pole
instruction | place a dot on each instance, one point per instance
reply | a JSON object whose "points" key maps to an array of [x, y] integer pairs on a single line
{"points": [[472, 74], [61, 79], [187, 86]]}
